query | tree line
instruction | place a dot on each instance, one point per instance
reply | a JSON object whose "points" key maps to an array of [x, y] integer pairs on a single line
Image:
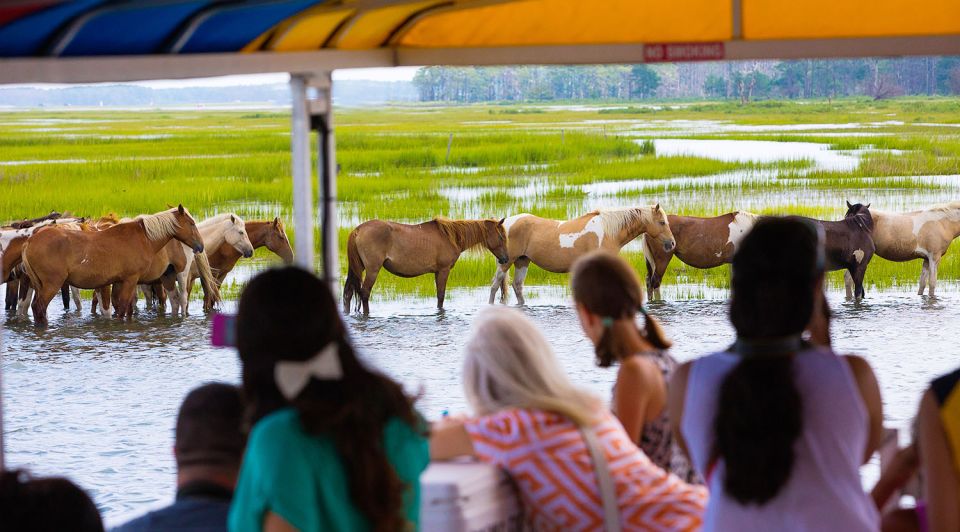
{"points": [[735, 80]]}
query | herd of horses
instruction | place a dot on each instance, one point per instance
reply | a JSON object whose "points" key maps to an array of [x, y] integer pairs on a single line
{"points": [[163, 254], [522, 239]]}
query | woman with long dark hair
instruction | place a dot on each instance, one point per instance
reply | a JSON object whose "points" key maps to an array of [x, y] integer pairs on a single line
{"points": [[608, 297], [778, 426], [334, 444]]}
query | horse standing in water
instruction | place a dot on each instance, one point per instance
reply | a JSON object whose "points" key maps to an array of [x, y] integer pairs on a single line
{"points": [[414, 250], [555, 245], [262, 233], [924, 234], [701, 243], [120, 254], [849, 246]]}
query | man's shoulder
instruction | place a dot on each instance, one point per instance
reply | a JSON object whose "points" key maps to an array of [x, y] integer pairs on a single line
{"points": [[190, 514]]}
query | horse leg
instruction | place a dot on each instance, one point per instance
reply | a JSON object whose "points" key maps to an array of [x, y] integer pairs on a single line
{"points": [[858, 274], [43, 297], [519, 274], [848, 283], [106, 298], [26, 296], [440, 278], [125, 292], [168, 285], [65, 296], [932, 281], [368, 281], [924, 275], [499, 282], [13, 289], [75, 293], [148, 299], [183, 293]]}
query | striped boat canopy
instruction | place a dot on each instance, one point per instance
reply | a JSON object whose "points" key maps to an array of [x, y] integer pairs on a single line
{"points": [[95, 40]]}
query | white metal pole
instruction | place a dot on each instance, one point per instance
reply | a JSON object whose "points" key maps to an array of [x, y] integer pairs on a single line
{"points": [[302, 182], [327, 161]]}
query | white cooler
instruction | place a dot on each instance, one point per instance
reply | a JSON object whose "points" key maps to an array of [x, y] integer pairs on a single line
{"points": [[468, 496]]}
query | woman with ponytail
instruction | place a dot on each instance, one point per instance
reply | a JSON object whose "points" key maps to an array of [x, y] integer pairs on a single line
{"points": [[335, 445], [779, 425], [608, 297]]}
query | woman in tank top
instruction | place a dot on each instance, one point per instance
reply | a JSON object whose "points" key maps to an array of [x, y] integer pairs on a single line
{"points": [[777, 426], [608, 296]]}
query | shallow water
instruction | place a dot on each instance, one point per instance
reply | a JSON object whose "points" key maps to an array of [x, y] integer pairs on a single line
{"points": [[95, 399]]}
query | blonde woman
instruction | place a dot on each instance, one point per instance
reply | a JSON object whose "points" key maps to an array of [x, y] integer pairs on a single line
{"points": [[531, 421], [608, 297]]}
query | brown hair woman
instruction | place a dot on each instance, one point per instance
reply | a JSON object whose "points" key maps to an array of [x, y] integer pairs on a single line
{"points": [[608, 297]]}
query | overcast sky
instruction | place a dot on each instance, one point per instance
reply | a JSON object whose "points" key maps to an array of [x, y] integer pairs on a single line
{"points": [[377, 74]]}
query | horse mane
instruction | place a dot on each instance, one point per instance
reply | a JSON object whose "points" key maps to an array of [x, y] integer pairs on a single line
{"points": [[463, 234], [946, 207], [615, 220], [220, 218], [159, 226], [110, 218]]}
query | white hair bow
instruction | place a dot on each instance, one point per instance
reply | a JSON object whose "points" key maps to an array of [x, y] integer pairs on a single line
{"points": [[292, 377]]}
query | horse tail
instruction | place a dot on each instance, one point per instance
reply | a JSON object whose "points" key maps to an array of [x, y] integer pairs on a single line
{"points": [[208, 281], [28, 268], [354, 270]]}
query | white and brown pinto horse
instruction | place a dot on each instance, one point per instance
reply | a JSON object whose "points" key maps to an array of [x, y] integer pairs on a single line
{"points": [[924, 234], [12, 240], [118, 255], [701, 242], [414, 250], [555, 245]]}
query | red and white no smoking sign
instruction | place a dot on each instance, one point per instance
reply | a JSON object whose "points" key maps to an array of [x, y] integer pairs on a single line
{"points": [[682, 51]]}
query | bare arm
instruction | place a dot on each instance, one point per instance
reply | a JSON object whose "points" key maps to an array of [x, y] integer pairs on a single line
{"points": [[274, 523], [941, 487], [640, 395], [870, 392], [449, 439], [677, 394]]}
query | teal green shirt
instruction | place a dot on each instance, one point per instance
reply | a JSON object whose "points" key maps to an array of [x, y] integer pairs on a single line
{"points": [[301, 478]]}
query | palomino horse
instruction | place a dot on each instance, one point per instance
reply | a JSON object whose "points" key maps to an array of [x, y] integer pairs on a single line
{"points": [[554, 246], [413, 250], [701, 243], [924, 234], [223, 230], [119, 254], [269, 233], [849, 245]]}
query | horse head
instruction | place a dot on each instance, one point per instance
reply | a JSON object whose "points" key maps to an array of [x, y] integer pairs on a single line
{"points": [[861, 214], [660, 228], [236, 236], [495, 239], [186, 229], [278, 242]]}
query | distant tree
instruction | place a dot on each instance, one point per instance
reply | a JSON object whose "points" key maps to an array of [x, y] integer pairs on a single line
{"points": [[715, 86], [643, 82]]}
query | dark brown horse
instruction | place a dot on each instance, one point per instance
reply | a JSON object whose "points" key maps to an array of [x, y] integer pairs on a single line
{"points": [[700, 242], [414, 250], [849, 245]]}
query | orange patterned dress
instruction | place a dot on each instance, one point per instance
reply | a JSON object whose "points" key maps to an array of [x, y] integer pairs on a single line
{"points": [[547, 457]]}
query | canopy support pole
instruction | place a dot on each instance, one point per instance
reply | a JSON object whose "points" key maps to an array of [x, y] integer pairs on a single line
{"points": [[302, 182], [321, 119]]}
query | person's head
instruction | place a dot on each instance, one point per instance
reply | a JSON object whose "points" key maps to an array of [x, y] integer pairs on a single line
{"points": [[608, 296], [295, 352], [777, 280], [509, 364], [209, 432], [45, 504]]}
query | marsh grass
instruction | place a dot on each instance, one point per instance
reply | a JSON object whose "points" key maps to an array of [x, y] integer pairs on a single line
{"points": [[504, 159]]}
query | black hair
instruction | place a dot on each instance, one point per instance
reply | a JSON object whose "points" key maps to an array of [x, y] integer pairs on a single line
{"points": [[45, 504], [759, 410], [290, 314], [209, 427]]}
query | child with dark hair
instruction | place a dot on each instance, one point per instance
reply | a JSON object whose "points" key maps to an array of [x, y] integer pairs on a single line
{"points": [[609, 297], [334, 444], [779, 426], [45, 505]]}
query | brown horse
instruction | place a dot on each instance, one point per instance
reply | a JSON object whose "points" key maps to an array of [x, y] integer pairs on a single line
{"points": [[924, 234], [120, 254], [414, 250], [269, 233], [554, 246], [701, 243]]}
